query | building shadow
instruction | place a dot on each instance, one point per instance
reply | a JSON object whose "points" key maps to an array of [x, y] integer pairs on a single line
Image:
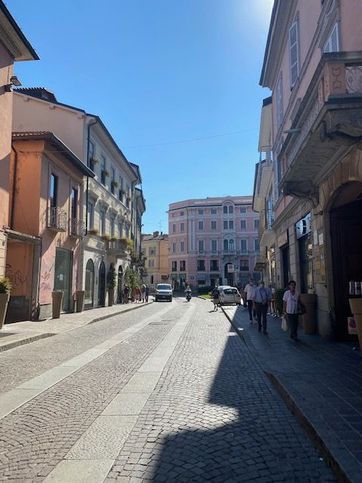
{"points": [[241, 433]]}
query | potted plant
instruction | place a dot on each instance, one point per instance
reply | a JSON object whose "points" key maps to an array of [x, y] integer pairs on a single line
{"points": [[5, 288], [106, 237], [114, 183], [111, 284], [93, 231]]}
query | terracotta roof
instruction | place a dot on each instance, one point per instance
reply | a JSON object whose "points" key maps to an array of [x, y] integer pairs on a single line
{"points": [[58, 144], [39, 92]]}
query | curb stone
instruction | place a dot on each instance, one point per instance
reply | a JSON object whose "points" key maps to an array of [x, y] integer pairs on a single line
{"points": [[34, 338]]}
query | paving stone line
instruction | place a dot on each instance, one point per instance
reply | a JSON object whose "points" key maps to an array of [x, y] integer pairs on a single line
{"points": [[37, 436]]}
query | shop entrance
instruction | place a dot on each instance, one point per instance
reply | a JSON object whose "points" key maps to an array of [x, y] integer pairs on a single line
{"points": [[346, 243], [63, 276], [120, 285], [102, 285]]}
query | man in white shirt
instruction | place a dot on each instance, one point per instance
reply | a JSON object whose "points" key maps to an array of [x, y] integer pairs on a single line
{"points": [[291, 309], [249, 291]]}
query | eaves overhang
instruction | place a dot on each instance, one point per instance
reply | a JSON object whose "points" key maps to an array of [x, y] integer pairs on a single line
{"points": [[13, 38]]}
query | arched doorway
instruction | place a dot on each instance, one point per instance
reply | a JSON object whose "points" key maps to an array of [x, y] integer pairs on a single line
{"points": [[102, 285], [346, 255], [89, 284], [120, 285]]}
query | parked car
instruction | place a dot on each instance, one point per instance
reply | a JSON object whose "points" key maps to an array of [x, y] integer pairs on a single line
{"points": [[163, 292], [229, 295]]}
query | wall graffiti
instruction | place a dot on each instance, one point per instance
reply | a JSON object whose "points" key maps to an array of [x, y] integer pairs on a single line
{"points": [[17, 277]]}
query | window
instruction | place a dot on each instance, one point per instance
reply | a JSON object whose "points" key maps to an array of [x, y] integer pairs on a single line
{"points": [[120, 229], [53, 191], [243, 210], [256, 244], [152, 251], [182, 266], [213, 211], [231, 209], [182, 246], [173, 228], [182, 227], [332, 44], [181, 213], [225, 209], [214, 246], [231, 245], [74, 204], [213, 225], [112, 223], [226, 246], [102, 222], [279, 101], [120, 188], [256, 224], [91, 151], [200, 212], [201, 246], [174, 266], [103, 171], [90, 215], [294, 52], [173, 247], [231, 225], [243, 246], [151, 263], [214, 265], [244, 265], [243, 224], [201, 225], [200, 265], [113, 188], [225, 225]]}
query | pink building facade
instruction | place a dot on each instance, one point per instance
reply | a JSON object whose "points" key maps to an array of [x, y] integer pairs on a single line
{"points": [[212, 241]]}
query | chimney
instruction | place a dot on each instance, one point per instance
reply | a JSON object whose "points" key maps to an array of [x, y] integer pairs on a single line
{"points": [[155, 233]]}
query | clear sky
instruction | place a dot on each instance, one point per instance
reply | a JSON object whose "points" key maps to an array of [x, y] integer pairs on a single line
{"points": [[175, 82]]}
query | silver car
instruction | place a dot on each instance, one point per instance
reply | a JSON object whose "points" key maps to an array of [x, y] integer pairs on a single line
{"points": [[163, 292], [229, 295]]}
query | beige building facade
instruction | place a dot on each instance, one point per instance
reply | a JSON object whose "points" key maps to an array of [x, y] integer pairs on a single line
{"points": [[155, 249], [312, 190]]}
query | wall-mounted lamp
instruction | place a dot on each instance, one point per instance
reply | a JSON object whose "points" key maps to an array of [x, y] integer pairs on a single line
{"points": [[14, 81]]}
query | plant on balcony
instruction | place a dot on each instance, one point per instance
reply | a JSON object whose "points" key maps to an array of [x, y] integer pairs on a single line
{"points": [[94, 160], [93, 231], [105, 173], [5, 288], [127, 243], [114, 184], [106, 237], [113, 239]]}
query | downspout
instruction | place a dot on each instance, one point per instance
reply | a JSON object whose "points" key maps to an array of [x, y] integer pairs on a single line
{"points": [[90, 124], [12, 208]]}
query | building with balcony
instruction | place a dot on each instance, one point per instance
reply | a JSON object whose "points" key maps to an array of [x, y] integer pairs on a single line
{"points": [[14, 47], [113, 201], [212, 241], [46, 205], [155, 250], [313, 66]]}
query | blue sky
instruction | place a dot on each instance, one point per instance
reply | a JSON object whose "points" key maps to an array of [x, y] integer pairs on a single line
{"points": [[175, 81]]}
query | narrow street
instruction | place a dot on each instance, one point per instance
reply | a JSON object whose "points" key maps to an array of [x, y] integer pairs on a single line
{"points": [[165, 393]]}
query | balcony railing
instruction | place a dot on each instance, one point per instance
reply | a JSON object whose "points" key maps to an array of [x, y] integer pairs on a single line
{"points": [[57, 219], [327, 122], [77, 228], [117, 248]]}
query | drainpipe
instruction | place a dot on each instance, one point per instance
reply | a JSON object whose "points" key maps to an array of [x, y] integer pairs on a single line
{"points": [[90, 124], [12, 208]]}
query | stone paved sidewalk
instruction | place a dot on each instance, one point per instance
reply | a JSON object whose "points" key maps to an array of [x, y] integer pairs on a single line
{"points": [[320, 380], [19, 333]]}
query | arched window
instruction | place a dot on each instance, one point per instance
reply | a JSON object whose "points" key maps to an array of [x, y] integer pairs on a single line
{"points": [[226, 245], [89, 284]]}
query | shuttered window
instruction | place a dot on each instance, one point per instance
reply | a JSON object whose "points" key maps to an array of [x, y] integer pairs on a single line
{"points": [[294, 52]]}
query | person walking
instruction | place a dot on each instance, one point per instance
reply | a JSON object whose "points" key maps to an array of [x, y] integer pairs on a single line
{"points": [[291, 308], [215, 298], [262, 297], [249, 291], [143, 293], [147, 290]]}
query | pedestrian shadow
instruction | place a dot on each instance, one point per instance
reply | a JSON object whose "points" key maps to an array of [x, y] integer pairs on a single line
{"points": [[238, 431]]}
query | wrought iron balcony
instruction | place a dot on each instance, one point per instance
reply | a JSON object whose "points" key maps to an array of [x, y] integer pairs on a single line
{"points": [[57, 219], [326, 125], [117, 248]]}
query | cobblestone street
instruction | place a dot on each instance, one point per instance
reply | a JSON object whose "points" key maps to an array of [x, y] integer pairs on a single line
{"points": [[166, 393]]}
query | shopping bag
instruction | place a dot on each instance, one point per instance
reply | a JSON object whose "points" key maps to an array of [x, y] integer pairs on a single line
{"points": [[284, 324]]}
